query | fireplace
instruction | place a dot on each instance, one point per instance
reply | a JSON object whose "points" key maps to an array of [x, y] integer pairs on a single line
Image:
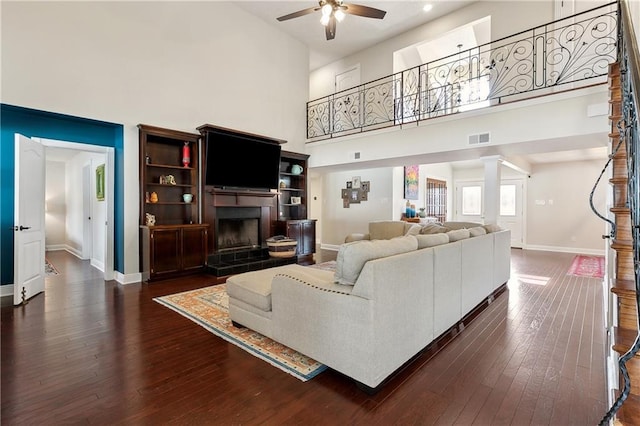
{"points": [[240, 223], [237, 228]]}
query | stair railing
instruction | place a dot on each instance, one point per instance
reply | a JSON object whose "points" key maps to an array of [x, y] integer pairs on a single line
{"points": [[564, 54], [628, 127]]}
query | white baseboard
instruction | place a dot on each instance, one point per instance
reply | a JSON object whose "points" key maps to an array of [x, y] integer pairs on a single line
{"points": [[330, 247], [98, 265], [55, 247], [576, 250], [6, 290]]}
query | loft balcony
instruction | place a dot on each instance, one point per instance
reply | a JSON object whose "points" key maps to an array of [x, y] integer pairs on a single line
{"points": [[566, 54]]}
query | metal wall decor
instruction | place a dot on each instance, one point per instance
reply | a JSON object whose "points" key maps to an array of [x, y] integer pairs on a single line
{"points": [[355, 191]]}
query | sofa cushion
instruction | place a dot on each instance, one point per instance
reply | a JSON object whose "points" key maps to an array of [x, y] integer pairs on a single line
{"points": [[352, 256], [434, 228], [478, 230], [458, 234], [386, 229], [431, 240], [492, 227]]}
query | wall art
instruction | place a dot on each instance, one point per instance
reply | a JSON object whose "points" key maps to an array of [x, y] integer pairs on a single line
{"points": [[411, 182]]}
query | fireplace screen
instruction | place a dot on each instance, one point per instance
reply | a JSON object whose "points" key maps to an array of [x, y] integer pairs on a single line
{"points": [[238, 228]]}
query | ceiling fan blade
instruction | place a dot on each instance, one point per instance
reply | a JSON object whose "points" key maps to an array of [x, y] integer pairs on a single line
{"points": [[330, 29], [298, 13], [366, 11]]}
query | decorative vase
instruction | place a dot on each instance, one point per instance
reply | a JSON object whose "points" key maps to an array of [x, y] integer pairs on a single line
{"points": [[296, 169], [154, 197], [186, 155], [187, 198]]}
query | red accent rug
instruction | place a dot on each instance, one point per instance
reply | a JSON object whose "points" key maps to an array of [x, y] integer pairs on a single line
{"points": [[209, 307], [587, 266]]}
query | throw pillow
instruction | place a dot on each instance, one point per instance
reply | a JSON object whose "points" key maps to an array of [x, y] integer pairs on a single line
{"points": [[352, 256], [414, 229], [492, 227], [386, 229], [433, 228], [458, 234], [431, 240], [476, 231]]}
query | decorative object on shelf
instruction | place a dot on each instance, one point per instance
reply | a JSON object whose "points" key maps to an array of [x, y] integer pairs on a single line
{"points": [[411, 182], [281, 246], [296, 169], [167, 180], [150, 219], [100, 182], [154, 197], [296, 200], [147, 159], [422, 213], [283, 184], [186, 155], [354, 195], [187, 198], [146, 197]]}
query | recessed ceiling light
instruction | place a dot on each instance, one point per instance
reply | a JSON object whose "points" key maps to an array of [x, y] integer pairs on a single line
{"points": [[427, 7]]}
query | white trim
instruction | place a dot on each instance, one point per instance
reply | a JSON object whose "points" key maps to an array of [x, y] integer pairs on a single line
{"points": [[330, 247], [98, 265], [6, 290], [576, 250], [55, 247], [127, 279], [77, 253]]}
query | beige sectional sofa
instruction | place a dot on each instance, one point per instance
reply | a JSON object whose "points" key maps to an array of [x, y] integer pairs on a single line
{"points": [[387, 300]]}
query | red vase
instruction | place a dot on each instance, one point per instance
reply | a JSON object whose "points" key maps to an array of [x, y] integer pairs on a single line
{"points": [[186, 155]]}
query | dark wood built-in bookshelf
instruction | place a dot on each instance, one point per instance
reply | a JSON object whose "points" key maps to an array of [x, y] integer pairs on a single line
{"points": [[177, 243]]}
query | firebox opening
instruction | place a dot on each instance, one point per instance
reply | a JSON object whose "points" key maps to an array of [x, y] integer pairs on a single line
{"points": [[238, 228]]}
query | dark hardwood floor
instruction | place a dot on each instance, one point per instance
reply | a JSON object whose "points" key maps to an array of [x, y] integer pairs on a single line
{"points": [[93, 352]]}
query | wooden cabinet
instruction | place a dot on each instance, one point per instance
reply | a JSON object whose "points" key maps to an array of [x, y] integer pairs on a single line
{"points": [[304, 232], [170, 168], [292, 205], [173, 250]]}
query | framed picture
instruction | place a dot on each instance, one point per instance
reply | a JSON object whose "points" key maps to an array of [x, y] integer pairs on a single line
{"points": [[366, 186], [345, 203], [100, 182], [356, 182], [364, 196], [355, 196], [349, 185], [344, 193], [411, 182]]}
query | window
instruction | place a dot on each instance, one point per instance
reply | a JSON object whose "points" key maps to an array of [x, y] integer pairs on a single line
{"points": [[508, 200], [472, 200], [436, 199]]}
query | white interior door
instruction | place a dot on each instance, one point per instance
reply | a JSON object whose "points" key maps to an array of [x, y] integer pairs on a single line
{"points": [[348, 79], [469, 202], [29, 241], [511, 214]]}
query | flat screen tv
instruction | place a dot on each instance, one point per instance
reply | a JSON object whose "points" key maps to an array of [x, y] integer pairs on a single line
{"points": [[234, 160]]}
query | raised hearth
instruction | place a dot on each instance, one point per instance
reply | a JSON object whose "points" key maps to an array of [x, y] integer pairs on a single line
{"points": [[238, 261]]}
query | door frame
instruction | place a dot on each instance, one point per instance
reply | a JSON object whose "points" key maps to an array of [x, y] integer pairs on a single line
{"points": [[109, 199]]}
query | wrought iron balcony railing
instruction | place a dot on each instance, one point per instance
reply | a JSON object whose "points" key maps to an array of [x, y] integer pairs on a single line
{"points": [[567, 53]]}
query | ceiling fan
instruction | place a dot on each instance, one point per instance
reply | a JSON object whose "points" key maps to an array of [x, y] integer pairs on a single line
{"points": [[333, 11]]}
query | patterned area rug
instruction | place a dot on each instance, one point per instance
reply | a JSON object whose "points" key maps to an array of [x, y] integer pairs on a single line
{"points": [[587, 266], [209, 307], [49, 269], [329, 265]]}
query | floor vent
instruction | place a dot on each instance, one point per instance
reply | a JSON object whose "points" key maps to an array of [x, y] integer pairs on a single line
{"points": [[479, 138]]}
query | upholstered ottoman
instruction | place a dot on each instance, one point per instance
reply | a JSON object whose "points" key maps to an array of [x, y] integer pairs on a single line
{"points": [[250, 295], [250, 298]]}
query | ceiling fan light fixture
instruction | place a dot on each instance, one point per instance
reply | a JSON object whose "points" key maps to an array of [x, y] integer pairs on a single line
{"points": [[324, 20], [326, 10], [339, 14], [427, 7]]}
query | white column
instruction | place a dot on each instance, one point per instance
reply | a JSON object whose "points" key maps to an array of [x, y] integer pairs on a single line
{"points": [[491, 188]]}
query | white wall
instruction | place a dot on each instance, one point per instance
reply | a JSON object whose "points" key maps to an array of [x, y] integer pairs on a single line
{"points": [[74, 185], [171, 64], [54, 218]]}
